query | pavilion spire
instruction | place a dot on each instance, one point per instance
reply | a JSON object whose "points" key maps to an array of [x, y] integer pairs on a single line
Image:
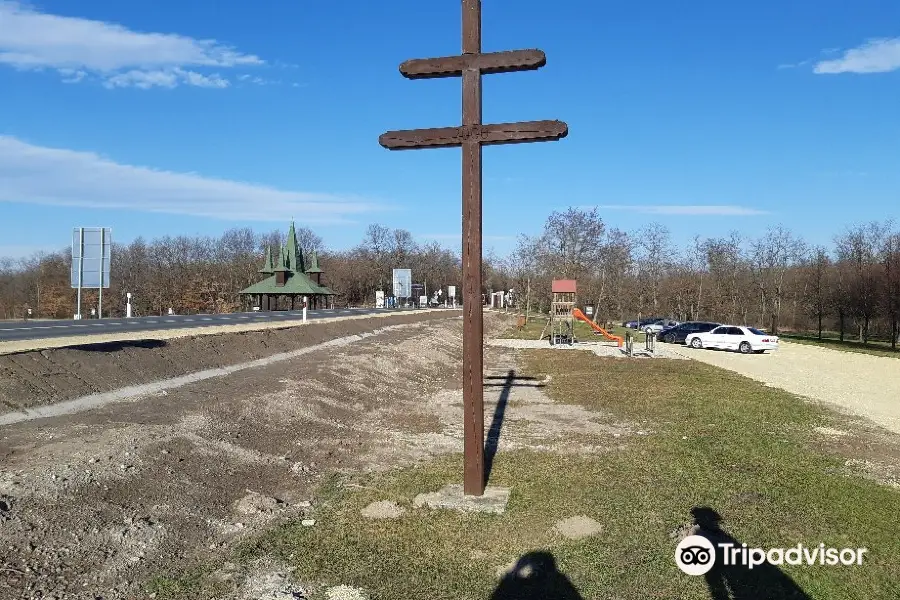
{"points": [[294, 252], [282, 259], [313, 262], [268, 268]]}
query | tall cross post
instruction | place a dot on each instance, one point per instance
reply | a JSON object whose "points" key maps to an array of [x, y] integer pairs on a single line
{"points": [[472, 136]]}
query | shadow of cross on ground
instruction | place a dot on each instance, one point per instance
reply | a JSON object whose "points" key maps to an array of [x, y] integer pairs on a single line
{"points": [[492, 440]]}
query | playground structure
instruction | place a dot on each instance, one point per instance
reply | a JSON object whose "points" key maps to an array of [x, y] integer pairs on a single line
{"points": [[563, 314], [562, 324]]}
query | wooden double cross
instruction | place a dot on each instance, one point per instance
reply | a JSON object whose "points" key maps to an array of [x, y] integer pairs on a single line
{"points": [[472, 136]]}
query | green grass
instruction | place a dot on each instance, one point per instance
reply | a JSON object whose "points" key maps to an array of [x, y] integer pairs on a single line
{"points": [[875, 348], [715, 439], [189, 584]]}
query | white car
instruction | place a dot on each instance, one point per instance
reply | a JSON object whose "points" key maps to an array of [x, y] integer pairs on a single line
{"points": [[658, 326], [732, 337]]}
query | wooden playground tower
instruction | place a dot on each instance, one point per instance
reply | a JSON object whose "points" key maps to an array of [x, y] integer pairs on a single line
{"points": [[562, 322], [563, 314]]}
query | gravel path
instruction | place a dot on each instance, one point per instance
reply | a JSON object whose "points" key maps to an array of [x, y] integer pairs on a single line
{"points": [[861, 384], [599, 348]]}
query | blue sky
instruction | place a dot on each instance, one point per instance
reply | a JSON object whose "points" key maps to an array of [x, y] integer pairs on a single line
{"points": [[163, 117]]}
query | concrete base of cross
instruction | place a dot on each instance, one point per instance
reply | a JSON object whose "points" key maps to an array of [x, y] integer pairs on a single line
{"points": [[452, 497]]}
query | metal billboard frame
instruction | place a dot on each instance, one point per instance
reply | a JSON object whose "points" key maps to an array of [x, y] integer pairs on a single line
{"points": [[91, 245], [402, 282]]}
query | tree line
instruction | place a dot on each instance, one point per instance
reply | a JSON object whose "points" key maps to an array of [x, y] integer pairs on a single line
{"points": [[203, 274], [776, 281]]}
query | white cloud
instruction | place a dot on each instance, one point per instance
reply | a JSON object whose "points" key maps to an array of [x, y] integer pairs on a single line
{"points": [[52, 176], [256, 80], [72, 75], [31, 40], [880, 55], [167, 79], [794, 65], [693, 210]]}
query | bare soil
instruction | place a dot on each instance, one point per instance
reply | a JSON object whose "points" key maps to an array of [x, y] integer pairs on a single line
{"points": [[96, 504], [101, 503], [41, 377]]}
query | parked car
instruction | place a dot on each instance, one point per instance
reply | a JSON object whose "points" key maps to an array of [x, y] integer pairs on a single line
{"points": [[635, 324], [658, 326], [731, 337], [677, 334]]}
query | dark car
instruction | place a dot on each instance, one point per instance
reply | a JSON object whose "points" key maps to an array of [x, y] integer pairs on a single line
{"points": [[635, 324], [677, 334]]}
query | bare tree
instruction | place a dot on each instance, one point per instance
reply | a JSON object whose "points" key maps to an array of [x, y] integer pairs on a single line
{"points": [[572, 243], [653, 255], [859, 250], [891, 261], [819, 283], [616, 261], [727, 265], [772, 255], [308, 240]]}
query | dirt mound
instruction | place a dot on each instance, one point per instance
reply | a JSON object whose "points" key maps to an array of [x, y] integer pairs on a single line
{"points": [[102, 502], [43, 377], [132, 498]]}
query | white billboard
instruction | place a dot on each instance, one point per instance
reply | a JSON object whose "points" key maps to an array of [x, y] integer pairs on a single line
{"points": [[402, 283]]}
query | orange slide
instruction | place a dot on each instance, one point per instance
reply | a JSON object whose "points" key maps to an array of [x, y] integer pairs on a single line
{"points": [[582, 317]]}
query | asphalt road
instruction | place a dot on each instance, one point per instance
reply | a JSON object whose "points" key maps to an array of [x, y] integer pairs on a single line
{"points": [[34, 330]]}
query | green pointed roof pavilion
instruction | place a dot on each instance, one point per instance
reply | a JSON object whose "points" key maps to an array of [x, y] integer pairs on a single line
{"points": [[290, 262], [296, 283]]}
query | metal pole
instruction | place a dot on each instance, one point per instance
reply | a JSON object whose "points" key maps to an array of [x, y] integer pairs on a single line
{"points": [[100, 296], [80, 267], [473, 327]]}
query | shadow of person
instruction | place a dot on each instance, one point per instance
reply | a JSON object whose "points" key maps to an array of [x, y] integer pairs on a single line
{"points": [[737, 581], [535, 577]]}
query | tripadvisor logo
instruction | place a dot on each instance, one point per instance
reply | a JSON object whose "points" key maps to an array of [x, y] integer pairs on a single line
{"points": [[696, 555]]}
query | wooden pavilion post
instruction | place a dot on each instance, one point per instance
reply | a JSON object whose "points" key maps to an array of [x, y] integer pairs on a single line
{"points": [[470, 66]]}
